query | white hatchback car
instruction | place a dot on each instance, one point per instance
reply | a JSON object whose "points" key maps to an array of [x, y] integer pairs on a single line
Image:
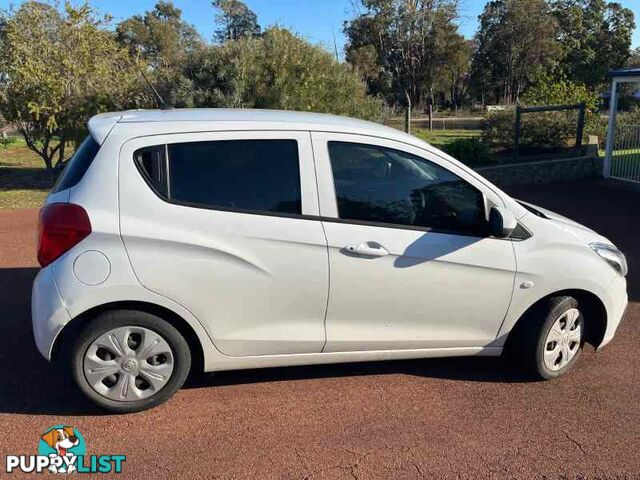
{"points": [[230, 239]]}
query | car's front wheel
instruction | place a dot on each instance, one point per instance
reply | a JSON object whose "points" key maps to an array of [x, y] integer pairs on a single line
{"points": [[550, 338], [127, 361]]}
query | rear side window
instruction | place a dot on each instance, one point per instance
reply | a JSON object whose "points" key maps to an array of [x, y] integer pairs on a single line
{"points": [[152, 164], [246, 175], [77, 165]]}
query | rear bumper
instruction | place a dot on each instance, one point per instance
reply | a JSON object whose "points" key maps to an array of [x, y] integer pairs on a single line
{"points": [[48, 313], [616, 306]]}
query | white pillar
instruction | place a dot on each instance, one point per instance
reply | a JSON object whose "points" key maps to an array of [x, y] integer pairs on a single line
{"points": [[611, 131]]}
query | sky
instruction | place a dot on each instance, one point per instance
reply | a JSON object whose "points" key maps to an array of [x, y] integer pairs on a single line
{"points": [[317, 20]]}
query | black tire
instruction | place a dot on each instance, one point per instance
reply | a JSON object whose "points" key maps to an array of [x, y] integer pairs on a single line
{"points": [[109, 320], [527, 342]]}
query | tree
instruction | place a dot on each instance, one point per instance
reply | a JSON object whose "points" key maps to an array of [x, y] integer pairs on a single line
{"points": [[515, 45], [634, 58], [363, 53], [280, 70], [411, 40], [452, 77], [165, 41], [57, 69], [595, 36], [236, 20]]}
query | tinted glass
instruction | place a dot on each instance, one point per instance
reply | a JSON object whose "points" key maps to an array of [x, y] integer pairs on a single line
{"points": [[151, 162], [77, 165], [259, 175], [377, 184]]}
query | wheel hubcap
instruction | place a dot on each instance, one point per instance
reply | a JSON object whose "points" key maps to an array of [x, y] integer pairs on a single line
{"points": [[128, 363], [563, 340]]}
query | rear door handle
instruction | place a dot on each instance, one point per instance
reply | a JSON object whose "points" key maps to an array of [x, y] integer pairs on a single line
{"points": [[368, 249]]}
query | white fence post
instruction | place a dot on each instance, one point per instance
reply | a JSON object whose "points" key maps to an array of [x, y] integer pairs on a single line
{"points": [[611, 130]]}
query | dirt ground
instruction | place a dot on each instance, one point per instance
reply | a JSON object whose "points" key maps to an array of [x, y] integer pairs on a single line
{"points": [[444, 418]]}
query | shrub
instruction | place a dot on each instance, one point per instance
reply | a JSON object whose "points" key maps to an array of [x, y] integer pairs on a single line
{"points": [[538, 130], [498, 129], [565, 92], [6, 140], [631, 117], [281, 70], [562, 92], [547, 129], [470, 151]]}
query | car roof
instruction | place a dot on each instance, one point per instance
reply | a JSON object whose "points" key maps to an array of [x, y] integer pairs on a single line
{"points": [[218, 118]]}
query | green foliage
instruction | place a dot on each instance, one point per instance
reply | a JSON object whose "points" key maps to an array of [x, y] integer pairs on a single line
{"points": [[565, 92], [516, 46], [561, 92], [6, 141], [595, 36], [236, 20], [280, 70], [631, 117], [544, 130], [548, 129], [498, 129], [166, 42], [634, 58], [57, 69], [470, 151], [401, 47]]}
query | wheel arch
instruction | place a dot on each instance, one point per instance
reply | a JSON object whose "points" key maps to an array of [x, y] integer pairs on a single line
{"points": [[591, 305], [74, 326]]}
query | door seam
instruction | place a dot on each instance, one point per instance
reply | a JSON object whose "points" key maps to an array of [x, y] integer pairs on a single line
{"points": [[326, 242]]}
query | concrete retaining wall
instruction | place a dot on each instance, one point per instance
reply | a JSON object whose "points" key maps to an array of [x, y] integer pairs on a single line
{"points": [[546, 171]]}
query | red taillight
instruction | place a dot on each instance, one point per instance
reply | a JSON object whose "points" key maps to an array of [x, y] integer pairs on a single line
{"points": [[62, 225]]}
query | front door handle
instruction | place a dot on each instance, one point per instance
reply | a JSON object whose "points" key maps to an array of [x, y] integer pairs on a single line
{"points": [[368, 249]]}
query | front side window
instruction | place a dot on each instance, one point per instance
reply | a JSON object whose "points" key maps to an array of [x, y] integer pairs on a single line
{"points": [[253, 175], [384, 185]]}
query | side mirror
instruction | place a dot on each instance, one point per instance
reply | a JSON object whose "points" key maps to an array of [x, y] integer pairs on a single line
{"points": [[501, 222]]}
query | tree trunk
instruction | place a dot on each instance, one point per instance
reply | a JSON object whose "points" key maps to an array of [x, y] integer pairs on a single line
{"points": [[43, 152]]}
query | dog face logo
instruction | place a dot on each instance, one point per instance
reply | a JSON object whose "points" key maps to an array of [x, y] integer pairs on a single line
{"points": [[63, 441]]}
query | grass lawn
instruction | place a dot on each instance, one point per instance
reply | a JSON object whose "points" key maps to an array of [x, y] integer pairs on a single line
{"points": [[439, 138], [24, 182]]}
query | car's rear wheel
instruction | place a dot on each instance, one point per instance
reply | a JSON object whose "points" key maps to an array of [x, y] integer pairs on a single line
{"points": [[549, 339], [127, 361]]}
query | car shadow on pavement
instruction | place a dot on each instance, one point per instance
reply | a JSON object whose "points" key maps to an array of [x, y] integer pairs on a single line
{"points": [[467, 369], [28, 383]]}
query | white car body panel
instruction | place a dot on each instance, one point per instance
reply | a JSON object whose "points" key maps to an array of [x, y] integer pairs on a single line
{"points": [[556, 258], [268, 290]]}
